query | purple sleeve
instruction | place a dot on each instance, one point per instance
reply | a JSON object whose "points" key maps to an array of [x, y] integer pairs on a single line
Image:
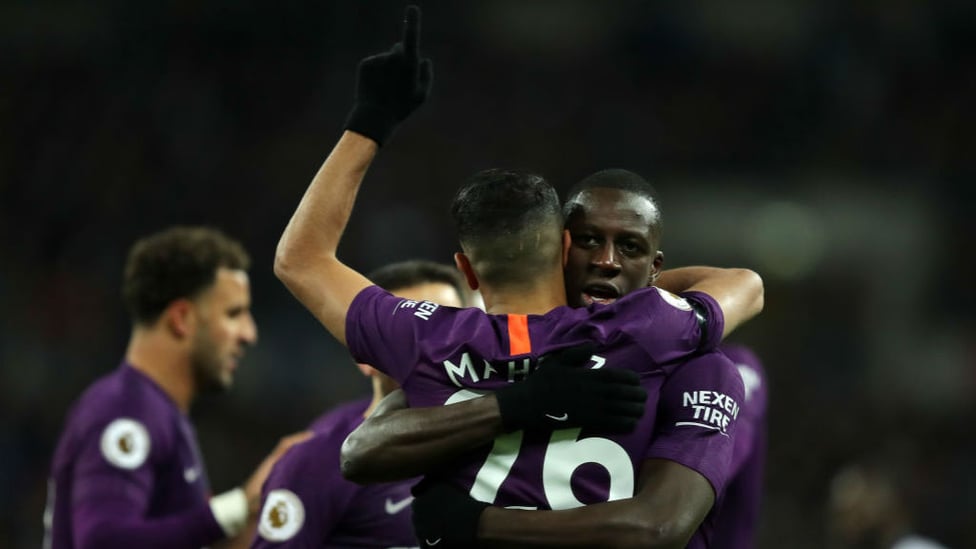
{"points": [[382, 330], [680, 326], [714, 318], [110, 503], [697, 416], [305, 496]]}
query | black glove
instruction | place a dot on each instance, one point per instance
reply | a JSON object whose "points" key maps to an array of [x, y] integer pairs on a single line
{"points": [[445, 516], [391, 85], [561, 393]]}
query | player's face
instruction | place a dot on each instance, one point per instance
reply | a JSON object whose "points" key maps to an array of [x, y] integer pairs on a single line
{"points": [[225, 329], [613, 250]]}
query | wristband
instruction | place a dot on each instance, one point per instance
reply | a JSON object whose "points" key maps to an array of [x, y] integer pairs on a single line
{"points": [[230, 509]]}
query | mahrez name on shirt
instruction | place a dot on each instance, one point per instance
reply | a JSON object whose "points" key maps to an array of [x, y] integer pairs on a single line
{"points": [[511, 370]]}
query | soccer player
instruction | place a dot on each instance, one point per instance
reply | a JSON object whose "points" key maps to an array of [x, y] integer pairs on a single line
{"points": [[510, 228], [615, 224], [127, 471], [306, 502]]}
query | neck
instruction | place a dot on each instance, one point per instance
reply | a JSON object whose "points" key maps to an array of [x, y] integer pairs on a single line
{"points": [[539, 298], [155, 354]]}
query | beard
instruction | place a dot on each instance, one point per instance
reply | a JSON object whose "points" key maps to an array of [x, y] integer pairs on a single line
{"points": [[206, 364]]}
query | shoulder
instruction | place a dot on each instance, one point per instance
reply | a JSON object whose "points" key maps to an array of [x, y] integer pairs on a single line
{"points": [[306, 481], [707, 366], [653, 296], [314, 463], [707, 378], [310, 462], [321, 451], [128, 414]]}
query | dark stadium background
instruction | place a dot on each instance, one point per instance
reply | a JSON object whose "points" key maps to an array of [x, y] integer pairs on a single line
{"points": [[826, 144]]}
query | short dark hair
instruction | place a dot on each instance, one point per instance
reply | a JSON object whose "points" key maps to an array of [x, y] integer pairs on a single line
{"points": [[179, 262], [415, 272], [616, 178], [509, 223]]}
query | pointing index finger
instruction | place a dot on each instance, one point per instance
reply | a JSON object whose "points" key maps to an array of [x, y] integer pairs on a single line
{"points": [[411, 32]]}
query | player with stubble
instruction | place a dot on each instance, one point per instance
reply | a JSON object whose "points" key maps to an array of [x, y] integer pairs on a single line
{"points": [[511, 230], [127, 471]]}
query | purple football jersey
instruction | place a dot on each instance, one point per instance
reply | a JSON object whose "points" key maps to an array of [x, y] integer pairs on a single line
{"points": [[127, 472], [441, 355], [307, 503], [737, 513]]}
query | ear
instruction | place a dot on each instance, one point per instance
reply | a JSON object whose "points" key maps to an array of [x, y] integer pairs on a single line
{"points": [[567, 242], [180, 317], [366, 369], [464, 265], [656, 265]]}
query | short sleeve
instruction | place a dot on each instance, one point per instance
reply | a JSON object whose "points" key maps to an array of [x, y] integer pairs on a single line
{"points": [[713, 323], [305, 496], [697, 415], [115, 464], [669, 327]]}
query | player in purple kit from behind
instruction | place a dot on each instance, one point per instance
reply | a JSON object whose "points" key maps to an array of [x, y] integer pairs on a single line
{"points": [[127, 471], [510, 227], [306, 502], [615, 224]]}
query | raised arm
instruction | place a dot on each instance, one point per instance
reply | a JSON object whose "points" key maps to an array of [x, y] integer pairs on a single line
{"points": [[739, 292], [305, 260], [389, 87]]}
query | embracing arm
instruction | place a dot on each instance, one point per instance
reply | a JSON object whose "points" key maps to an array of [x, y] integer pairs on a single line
{"points": [[688, 461], [670, 503], [397, 442], [739, 292]]}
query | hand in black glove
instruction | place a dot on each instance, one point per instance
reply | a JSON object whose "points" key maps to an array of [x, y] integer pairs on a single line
{"points": [[391, 85], [562, 393], [445, 516]]}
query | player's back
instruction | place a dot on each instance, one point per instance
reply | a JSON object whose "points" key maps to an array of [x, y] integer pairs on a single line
{"points": [[442, 355], [121, 438]]}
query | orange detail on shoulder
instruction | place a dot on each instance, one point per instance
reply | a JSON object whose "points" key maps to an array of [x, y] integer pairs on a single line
{"points": [[518, 335]]}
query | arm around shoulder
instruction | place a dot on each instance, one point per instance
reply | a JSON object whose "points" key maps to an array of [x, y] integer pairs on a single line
{"points": [[739, 292]]}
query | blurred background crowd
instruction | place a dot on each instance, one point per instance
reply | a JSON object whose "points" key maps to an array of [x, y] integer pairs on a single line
{"points": [[826, 144]]}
